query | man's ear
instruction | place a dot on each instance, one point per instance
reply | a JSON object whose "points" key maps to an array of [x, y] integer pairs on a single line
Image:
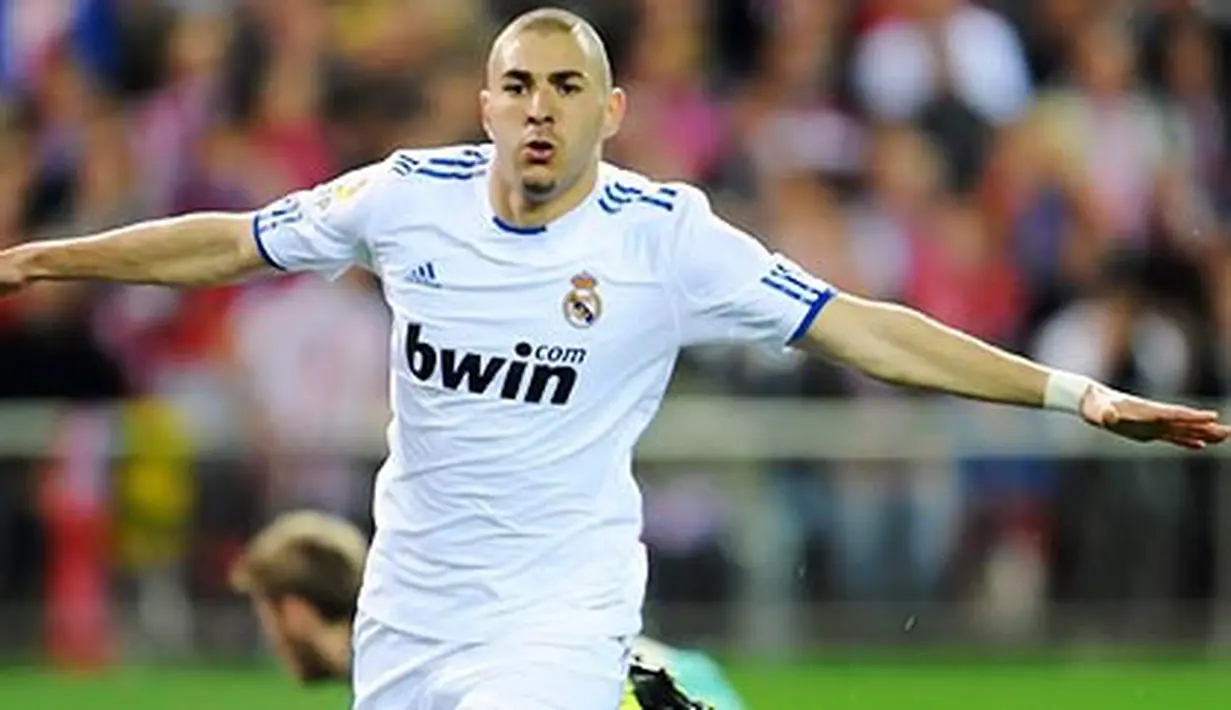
{"points": [[485, 100], [613, 115], [297, 614]]}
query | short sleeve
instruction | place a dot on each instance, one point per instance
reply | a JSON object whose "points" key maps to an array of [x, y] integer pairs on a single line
{"points": [[321, 229], [731, 288]]}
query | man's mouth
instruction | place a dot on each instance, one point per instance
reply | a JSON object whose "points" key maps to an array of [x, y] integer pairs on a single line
{"points": [[539, 151]]}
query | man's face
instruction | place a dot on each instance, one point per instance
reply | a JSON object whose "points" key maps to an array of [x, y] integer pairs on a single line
{"points": [[547, 108], [291, 638]]}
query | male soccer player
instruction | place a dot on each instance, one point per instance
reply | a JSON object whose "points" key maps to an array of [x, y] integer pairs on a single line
{"points": [[302, 574], [539, 297]]}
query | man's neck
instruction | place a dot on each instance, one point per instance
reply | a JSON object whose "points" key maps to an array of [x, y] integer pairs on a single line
{"points": [[335, 649], [511, 204]]}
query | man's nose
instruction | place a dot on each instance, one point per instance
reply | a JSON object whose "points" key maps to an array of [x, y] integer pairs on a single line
{"points": [[542, 107]]}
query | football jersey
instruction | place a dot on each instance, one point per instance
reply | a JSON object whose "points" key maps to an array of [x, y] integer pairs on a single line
{"points": [[525, 364]]}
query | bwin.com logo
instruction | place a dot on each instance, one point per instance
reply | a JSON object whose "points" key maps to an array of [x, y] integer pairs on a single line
{"points": [[533, 375]]}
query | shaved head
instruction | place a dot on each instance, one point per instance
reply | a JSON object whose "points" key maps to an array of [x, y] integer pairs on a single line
{"points": [[549, 20], [548, 106]]}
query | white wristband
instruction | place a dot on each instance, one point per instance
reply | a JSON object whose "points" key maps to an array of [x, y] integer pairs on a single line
{"points": [[1065, 390]]}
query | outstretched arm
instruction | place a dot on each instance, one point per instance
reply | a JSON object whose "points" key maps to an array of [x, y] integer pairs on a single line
{"points": [[729, 287], [192, 250], [902, 346]]}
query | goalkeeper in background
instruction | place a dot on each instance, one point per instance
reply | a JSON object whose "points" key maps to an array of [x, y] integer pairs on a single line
{"points": [[302, 574]]}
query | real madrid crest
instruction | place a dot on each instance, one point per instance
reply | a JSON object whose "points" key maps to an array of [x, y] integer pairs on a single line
{"points": [[582, 305]]}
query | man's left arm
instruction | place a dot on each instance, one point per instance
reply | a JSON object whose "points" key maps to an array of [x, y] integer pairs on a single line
{"points": [[899, 345], [728, 287]]}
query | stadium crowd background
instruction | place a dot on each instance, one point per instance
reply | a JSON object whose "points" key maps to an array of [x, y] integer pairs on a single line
{"points": [[1051, 175]]}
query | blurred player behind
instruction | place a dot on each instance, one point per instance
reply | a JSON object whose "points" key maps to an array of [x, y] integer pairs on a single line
{"points": [[302, 574]]}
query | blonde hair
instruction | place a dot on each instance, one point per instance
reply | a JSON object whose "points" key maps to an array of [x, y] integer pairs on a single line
{"points": [[315, 556]]}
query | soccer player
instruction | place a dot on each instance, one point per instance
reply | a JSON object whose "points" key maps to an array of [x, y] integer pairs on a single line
{"points": [[302, 574], [539, 298]]}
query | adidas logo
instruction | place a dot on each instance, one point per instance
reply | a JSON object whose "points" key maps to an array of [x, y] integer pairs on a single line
{"points": [[424, 274]]}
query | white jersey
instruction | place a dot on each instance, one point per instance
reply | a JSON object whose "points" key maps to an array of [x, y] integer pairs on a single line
{"points": [[526, 362]]}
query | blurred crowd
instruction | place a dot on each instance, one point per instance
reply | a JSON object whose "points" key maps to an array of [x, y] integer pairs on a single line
{"points": [[1052, 176]]}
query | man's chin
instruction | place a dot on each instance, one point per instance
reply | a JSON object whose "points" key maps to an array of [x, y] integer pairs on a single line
{"points": [[538, 183], [312, 668]]}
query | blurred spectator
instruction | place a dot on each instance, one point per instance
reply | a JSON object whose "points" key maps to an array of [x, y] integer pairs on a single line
{"points": [[48, 351], [1122, 334], [172, 121], [896, 527], [1191, 77], [677, 129], [801, 218], [1108, 144], [694, 568], [951, 65], [1049, 28], [334, 336], [60, 104], [903, 180], [1028, 211], [103, 190], [789, 117], [451, 116], [287, 120], [916, 50], [32, 32], [1221, 297], [962, 276], [16, 176]]}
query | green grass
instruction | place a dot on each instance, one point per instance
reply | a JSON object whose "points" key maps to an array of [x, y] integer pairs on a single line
{"points": [[993, 686], [898, 685]]}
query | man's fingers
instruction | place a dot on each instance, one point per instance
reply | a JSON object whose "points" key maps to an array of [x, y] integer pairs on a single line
{"points": [[1152, 411], [1194, 415], [1214, 429], [1206, 433], [1194, 443], [1211, 431]]}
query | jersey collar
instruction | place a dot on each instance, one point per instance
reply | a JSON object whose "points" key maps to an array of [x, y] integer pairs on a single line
{"points": [[563, 223]]}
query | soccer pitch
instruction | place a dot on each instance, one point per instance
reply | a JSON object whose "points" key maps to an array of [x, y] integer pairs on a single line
{"points": [[930, 685]]}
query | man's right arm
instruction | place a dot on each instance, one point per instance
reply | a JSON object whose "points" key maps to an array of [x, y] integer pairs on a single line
{"points": [[316, 229], [192, 250]]}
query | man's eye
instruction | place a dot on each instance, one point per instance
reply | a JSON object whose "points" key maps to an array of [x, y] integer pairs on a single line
{"points": [[569, 89], [514, 89]]}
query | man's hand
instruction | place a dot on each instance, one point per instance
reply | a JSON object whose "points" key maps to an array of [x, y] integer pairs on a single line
{"points": [[1143, 420]]}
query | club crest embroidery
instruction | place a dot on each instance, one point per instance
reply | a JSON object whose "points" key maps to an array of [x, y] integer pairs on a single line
{"points": [[582, 305]]}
